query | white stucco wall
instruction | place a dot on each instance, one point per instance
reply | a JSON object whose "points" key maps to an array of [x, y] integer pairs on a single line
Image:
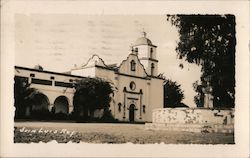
{"points": [[151, 88], [193, 116], [104, 73], [51, 92], [148, 91], [86, 71], [127, 98], [156, 95], [126, 69], [144, 51]]}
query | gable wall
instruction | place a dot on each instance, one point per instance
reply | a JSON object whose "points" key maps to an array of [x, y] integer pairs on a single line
{"points": [[152, 91], [125, 67]]}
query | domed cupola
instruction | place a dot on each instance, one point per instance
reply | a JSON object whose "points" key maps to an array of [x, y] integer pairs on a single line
{"points": [[143, 40], [146, 52]]}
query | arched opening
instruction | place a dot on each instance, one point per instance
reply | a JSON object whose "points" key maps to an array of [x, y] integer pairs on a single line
{"points": [[152, 69], [132, 65], [40, 102], [132, 113], [61, 105], [39, 106], [119, 107], [144, 109], [132, 85], [151, 53], [136, 50]]}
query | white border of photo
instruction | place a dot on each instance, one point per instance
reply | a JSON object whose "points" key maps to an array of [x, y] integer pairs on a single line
{"points": [[11, 7]]}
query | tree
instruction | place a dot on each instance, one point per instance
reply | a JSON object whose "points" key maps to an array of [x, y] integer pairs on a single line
{"points": [[91, 94], [209, 41], [199, 98], [23, 96], [173, 95]]}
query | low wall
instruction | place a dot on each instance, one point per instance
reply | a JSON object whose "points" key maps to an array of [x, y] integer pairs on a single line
{"points": [[193, 119], [193, 116]]}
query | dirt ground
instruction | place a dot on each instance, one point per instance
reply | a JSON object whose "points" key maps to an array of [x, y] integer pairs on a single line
{"points": [[134, 133]]}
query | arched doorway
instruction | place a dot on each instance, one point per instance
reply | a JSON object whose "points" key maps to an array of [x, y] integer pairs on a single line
{"points": [[132, 113], [61, 105]]}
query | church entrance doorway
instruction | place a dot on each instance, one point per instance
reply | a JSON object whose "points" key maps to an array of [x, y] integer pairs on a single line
{"points": [[132, 113]]}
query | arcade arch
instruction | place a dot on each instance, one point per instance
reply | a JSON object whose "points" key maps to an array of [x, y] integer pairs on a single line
{"points": [[40, 102], [61, 105]]}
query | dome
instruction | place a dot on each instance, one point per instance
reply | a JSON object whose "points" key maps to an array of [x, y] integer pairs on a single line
{"points": [[143, 40]]}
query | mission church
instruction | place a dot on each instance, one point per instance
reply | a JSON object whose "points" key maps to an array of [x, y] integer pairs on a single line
{"points": [[139, 86]]}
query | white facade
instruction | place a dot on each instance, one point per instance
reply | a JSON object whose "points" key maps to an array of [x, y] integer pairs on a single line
{"points": [[56, 88], [139, 90]]}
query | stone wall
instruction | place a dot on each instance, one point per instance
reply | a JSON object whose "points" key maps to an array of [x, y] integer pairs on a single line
{"points": [[193, 119]]}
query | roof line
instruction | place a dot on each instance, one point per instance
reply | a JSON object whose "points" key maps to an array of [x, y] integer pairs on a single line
{"points": [[50, 72]]}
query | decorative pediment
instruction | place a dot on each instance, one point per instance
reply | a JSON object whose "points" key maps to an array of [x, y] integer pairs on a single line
{"points": [[94, 60], [132, 66]]}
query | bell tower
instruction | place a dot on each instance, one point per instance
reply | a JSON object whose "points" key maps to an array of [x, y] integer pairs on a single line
{"points": [[147, 54]]}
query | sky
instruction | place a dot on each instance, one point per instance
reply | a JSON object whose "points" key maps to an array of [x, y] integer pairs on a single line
{"points": [[59, 41]]}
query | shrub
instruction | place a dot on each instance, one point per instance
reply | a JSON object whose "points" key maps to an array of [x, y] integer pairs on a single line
{"points": [[41, 114], [108, 117]]}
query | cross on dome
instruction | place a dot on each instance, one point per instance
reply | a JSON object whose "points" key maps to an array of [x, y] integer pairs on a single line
{"points": [[131, 48], [143, 40], [144, 34]]}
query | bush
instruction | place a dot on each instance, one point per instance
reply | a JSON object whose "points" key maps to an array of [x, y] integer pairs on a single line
{"points": [[41, 114], [91, 94], [173, 94], [60, 116], [108, 117]]}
